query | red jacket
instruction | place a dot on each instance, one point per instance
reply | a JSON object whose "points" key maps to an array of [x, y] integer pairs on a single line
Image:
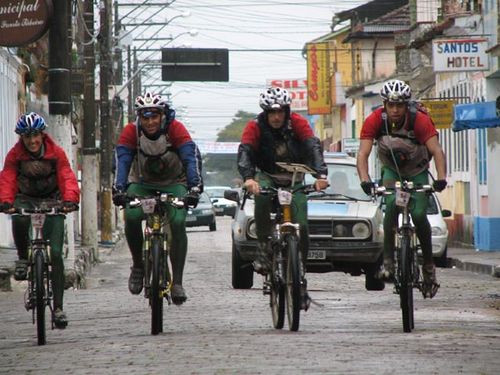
{"points": [[66, 179]]}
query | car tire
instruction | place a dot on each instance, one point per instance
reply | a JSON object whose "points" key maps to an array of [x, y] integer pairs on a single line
{"points": [[213, 227], [442, 261], [242, 272]]}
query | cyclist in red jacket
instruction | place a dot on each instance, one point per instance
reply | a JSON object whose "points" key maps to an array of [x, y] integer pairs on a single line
{"points": [[37, 168]]}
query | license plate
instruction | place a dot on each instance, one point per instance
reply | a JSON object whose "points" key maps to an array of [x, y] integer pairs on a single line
{"points": [[316, 254], [190, 218]]}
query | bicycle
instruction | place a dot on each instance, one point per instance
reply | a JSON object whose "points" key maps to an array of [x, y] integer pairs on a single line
{"points": [[286, 282], [408, 274], [39, 294], [156, 248]]}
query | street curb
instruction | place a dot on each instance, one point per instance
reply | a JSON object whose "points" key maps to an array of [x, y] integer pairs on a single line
{"points": [[486, 269]]}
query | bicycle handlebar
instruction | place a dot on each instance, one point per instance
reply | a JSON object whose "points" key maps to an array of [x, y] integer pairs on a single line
{"points": [[136, 200], [409, 188], [271, 190]]}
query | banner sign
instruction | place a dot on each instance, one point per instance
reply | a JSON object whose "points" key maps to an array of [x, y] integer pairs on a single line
{"points": [[441, 112], [318, 79], [210, 147], [23, 21], [297, 89], [458, 55]]}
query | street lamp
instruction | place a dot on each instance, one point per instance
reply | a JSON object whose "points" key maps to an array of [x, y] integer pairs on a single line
{"points": [[192, 32]]}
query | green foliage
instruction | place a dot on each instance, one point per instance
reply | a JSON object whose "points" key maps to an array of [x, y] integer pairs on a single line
{"points": [[232, 132], [221, 169]]}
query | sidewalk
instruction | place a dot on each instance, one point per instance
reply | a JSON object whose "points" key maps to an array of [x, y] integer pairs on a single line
{"points": [[464, 258], [75, 270], [468, 259]]}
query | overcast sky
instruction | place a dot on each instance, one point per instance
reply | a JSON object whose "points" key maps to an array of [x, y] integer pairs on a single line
{"points": [[242, 26]]}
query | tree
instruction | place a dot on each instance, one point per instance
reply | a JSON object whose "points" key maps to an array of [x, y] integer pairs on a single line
{"points": [[232, 132]]}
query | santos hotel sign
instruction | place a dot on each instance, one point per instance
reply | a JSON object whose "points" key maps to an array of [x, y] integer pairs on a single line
{"points": [[457, 55], [23, 21]]}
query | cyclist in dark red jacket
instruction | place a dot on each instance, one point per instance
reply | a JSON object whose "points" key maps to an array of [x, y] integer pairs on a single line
{"points": [[37, 168], [278, 135], [405, 148]]}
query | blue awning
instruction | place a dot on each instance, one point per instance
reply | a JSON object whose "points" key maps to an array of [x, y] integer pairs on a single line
{"points": [[476, 116]]}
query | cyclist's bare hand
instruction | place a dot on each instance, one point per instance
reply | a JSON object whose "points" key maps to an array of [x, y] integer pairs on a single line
{"points": [[320, 184], [252, 186], [69, 207], [7, 208]]}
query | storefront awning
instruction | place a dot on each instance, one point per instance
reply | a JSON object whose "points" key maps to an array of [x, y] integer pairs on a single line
{"points": [[476, 116]]}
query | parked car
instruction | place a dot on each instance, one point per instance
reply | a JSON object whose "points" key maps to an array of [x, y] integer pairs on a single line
{"points": [[345, 228], [222, 205], [203, 214], [436, 216]]}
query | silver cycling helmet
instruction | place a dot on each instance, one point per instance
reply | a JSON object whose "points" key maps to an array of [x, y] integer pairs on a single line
{"points": [[395, 91], [149, 101], [275, 98]]}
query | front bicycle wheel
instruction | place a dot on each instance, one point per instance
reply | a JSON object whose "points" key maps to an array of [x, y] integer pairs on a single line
{"points": [[293, 300], [406, 281], [156, 296], [39, 265], [276, 278]]}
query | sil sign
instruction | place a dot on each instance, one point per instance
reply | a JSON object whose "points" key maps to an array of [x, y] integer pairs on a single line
{"points": [[458, 55]]}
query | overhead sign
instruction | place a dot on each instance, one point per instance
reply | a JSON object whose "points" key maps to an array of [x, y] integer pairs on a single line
{"points": [[195, 64], [318, 79], [23, 21], [441, 112], [458, 55], [297, 89]]}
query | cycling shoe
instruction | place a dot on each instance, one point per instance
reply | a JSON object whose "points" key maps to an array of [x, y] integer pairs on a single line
{"points": [[21, 270], [60, 319], [178, 294], [430, 285]]}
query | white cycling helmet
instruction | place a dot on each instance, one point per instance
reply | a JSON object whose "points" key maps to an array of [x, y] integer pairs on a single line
{"points": [[395, 91], [275, 98], [150, 100]]}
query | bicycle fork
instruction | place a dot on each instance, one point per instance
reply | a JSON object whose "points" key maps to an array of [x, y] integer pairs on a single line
{"points": [[30, 293]]}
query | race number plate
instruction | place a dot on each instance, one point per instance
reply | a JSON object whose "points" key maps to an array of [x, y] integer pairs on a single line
{"points": [[316, 254], [37, 220], [148, 205], [284, 197], [402, 198]]}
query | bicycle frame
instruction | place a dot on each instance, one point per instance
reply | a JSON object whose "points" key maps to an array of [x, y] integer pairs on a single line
{"points": [[408, 273], [39, 293], [287, 273], [156, 248]]}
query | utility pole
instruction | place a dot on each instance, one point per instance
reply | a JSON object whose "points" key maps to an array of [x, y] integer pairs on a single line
{"points": [[90, 163], [105, 74], [60, 90]]}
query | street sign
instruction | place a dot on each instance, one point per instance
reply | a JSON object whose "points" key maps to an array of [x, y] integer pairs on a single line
{"points": [[441, 112], [350, 145], [195, 64]]}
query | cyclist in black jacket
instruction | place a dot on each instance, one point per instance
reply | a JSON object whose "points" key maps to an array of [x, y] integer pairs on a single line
{"points": [[278, 135]]}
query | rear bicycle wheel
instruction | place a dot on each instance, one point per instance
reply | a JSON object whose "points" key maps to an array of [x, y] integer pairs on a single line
{"points": [[40, 304], [293, 300], [156, 297], [277, 277], [406, 280]]}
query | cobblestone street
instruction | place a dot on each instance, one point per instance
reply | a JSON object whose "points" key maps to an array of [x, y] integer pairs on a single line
{"points": [[225, 331]]}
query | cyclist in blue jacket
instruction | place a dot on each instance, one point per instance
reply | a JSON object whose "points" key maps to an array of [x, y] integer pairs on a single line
{"points": [[156, 153]]}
